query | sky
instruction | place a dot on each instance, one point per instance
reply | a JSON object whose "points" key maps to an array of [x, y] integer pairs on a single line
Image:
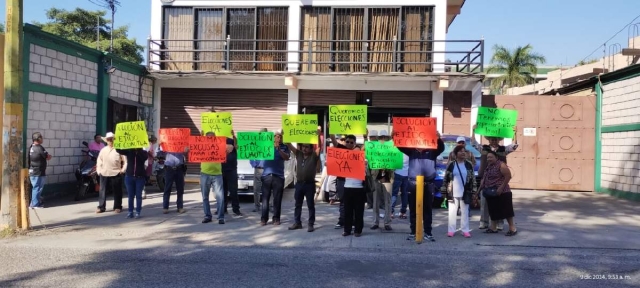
{"points": [[564, 31]]}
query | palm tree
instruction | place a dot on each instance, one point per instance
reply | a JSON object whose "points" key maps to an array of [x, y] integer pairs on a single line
{"points": [[519, 66]]}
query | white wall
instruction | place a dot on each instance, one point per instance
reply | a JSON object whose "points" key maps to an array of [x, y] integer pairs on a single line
{"points": [[621, 102], [50, 67], [126, 86]]}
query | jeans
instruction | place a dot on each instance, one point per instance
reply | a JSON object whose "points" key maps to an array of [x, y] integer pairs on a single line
{"points": [[427, 202], [173, 175], [354, 200], [384, 189], [257, 186], [113, 184], [305, 190], [230, 186], [340, 194], [36, 193], [400, 184], [453, 215], [134, 190], [207, 183], [272, 184]]}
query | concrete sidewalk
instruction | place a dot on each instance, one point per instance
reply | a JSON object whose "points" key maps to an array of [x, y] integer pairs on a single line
{"points": [[544, 219]]}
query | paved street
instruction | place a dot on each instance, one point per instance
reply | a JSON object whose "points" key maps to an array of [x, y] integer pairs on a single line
{"points": [[562, 237]]}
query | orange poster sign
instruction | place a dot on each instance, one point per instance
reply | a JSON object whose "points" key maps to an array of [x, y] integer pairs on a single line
{"points": [[345, 163], [204, 149], [415, 132], [174, 139]]}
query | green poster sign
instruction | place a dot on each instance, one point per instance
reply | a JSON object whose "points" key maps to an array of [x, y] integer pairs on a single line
{"points": [[383, 155], [255, 145], [494, 122], [300, 128], [348, 119]]}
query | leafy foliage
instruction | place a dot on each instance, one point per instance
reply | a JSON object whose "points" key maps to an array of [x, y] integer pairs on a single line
{"points": [[519, 66], [81, 26]]}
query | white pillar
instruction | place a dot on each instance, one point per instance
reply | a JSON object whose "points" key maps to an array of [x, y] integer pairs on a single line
{"points": [[440, 33], [156, 107], [437, 108], [156, 28], [292, 101], [293, 46], [476, 101]]}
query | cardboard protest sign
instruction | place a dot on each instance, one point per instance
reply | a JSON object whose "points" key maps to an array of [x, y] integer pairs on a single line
{"points": [[255, 145], [494, 122], [348, 119], [383, 155], [300, 128], [130, 135], [220, 123], [345, 163], [174, 139], [415, 132], [203, 149]]}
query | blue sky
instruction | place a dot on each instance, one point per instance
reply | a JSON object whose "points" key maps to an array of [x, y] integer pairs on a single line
{"points": [[564, 31]]}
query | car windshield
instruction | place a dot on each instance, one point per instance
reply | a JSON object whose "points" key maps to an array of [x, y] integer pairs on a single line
{"points": [[449, 144]]}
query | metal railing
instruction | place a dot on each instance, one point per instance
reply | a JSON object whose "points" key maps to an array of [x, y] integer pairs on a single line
{"points": [[373, 56]]}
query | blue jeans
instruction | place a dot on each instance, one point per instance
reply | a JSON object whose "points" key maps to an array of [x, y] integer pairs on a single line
{"points": [[208, 182], [304, 190], [400, 183], [134, 190], [38, 184], [173, 175]]}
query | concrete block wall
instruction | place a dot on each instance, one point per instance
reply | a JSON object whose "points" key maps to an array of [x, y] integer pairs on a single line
{"points": [[621, 161], [64, 122], [54, 68], [127, 86], [621, 102]]}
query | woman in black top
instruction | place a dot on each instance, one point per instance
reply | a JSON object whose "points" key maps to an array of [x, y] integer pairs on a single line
{"points": [[135, 177]]}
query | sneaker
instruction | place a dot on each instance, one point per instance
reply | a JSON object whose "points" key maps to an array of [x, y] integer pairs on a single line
{"points": [[295, 226], [98, 211], [387, 228], [206, 220], [338, 226], [130, 215], [411, 237], [262, 223], [137, 215], [450, 234], [374, 227], [466, 235], [117, 211], [500, 227], [221, 221], [165, 211], [483, 227], [182, 211], [36, 207], [276, 222], [429, 238], [237, 213], [310, 228]]}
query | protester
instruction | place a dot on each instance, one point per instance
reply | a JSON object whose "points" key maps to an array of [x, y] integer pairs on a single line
{"points": [[174, 166], [273, 180], [461, 141], [135, 177], [383, 184], [459, 173], [502, 152], [230, 177], [422, 162], [308, 162], [258, 168], [401, 185], [150, 158], [211, 179], [38, 157], [110, 167], [97, 144], [496, 181]]}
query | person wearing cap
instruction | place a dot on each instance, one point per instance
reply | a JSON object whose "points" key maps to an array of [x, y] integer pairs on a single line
{"points": [[273, 180], [110, 167], [258, 168], [383, 184], [38, 157], [371, 136], [461, 141], [211, 179], [175, 167], [502, 152], [308, 162]]}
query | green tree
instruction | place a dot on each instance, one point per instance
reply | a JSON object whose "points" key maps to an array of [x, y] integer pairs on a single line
{"points": [[585, 62], [1, 27], [81, 26], [518, 67]]}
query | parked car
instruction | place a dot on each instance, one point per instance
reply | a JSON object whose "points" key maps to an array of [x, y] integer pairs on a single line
{"points": [[443, 159], [246, 176]]}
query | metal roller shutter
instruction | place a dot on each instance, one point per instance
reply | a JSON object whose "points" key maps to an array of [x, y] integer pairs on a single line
{"points": [[252, 109], [402, 99], [326, 97]]}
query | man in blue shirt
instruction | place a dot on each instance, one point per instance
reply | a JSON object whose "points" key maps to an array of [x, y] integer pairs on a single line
{"points": [[230, 177], [258, 168], [174, 165], [273, 180]]}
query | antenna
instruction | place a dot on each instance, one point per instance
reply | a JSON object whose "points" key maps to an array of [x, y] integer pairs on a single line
{"points": [[112, 5]]}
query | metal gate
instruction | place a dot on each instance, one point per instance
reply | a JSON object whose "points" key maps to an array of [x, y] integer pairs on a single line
{"points": [[557, 152]]}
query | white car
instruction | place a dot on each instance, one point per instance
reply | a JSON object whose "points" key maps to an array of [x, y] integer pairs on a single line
{"points": [[246, 175]]}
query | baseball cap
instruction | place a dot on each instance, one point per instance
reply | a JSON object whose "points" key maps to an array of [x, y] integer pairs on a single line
{"points": [[373, 133], [383, 133], [461, 139]]}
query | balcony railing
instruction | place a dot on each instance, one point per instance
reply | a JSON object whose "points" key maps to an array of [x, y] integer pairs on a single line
{"points": [[373, 56]]}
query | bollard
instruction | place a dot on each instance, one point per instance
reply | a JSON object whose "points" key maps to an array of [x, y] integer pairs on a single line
{"points": [[24, 206], [419, 208]]}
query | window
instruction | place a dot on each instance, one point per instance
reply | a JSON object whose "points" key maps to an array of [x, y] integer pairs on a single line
{"points": [[117, 113]]}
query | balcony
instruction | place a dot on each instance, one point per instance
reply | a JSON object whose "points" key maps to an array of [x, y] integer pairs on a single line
{"points": [[313, 56]]}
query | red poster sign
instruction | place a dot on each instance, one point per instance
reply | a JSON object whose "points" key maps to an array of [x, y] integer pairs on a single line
{"points": [[174, 139], [418, 132], [345, 163], [207, 149]]}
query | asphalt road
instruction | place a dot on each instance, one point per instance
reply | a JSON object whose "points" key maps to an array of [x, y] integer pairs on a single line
{"points": [[200, 266]]}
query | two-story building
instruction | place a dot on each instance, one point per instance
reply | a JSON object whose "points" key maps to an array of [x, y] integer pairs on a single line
{"points": [[262, 59]]}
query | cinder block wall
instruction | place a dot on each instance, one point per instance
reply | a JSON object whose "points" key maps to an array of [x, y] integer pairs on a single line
{"points": [[125, 85]]}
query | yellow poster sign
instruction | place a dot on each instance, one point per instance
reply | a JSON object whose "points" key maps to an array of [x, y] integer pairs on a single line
{"points": [[130, 135], [220, 123], [348, 119], [300, 128]]}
